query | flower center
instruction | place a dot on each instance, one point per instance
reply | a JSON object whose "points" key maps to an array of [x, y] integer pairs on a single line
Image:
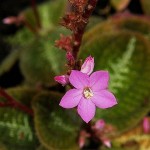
{"points": [[87, 93]]}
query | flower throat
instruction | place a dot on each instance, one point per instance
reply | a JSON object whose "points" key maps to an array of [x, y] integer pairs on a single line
{"points": [[87, 93]]}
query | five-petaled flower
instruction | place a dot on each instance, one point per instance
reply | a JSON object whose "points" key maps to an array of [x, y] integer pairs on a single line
{"points": [[88, 92]]}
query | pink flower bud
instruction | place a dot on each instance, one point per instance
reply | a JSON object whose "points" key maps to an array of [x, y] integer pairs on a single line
{"points": [[63, 79], [81, 142], [99, 124], [69, 56], [88, 65], [10, 20], [146, 125], [82, 138], [107, 143]]}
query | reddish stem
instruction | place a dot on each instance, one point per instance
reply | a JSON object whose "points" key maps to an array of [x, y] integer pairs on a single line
{"points": [[33, 30], [11, 102], [79, 34], [36, 13]]}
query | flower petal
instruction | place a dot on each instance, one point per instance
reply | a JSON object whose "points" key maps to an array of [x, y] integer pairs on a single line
{"points": [[104, 99], [99, 80], [86, 109], [71, 98], [78, 79]]}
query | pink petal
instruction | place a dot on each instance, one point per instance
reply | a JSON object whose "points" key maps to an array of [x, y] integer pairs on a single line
{"points": [[88, 65], [86, 109], [104, 99], [99, 80], [78, 79], [71, 98]]}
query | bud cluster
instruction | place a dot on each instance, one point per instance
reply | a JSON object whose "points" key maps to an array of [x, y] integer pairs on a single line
{"points": [[65, 43], [79, 5], [75, 20], [100, 131]]}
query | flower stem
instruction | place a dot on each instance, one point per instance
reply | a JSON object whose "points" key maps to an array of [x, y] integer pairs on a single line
{"points": [[79, 34], [36, 13], [27, 24], [11, 102]]}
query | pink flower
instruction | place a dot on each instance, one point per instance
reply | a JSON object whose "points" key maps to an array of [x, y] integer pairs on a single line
{"points": [[146, 125], [63, 79], [89, 92], [88, 65]]}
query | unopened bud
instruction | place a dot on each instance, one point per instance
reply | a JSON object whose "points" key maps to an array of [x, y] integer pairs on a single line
{"points": [[107, 143], [10, 20], [81, 142], [99, 124], [90, 7], [63, 79], [69, 56], [146, 125], [88, 65]]}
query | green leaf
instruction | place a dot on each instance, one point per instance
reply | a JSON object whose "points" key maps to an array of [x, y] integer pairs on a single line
{"points": [[49, 13], [94, 20], [126, 55], [41, 60], [21, 39], [16, 127], [9, 61], [56, 127], [119, 4], [131, 23], [41, 147], [3, 147], [134, 23]]}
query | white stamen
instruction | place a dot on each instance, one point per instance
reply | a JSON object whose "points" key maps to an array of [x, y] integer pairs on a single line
{"points": [[87, 93]]}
